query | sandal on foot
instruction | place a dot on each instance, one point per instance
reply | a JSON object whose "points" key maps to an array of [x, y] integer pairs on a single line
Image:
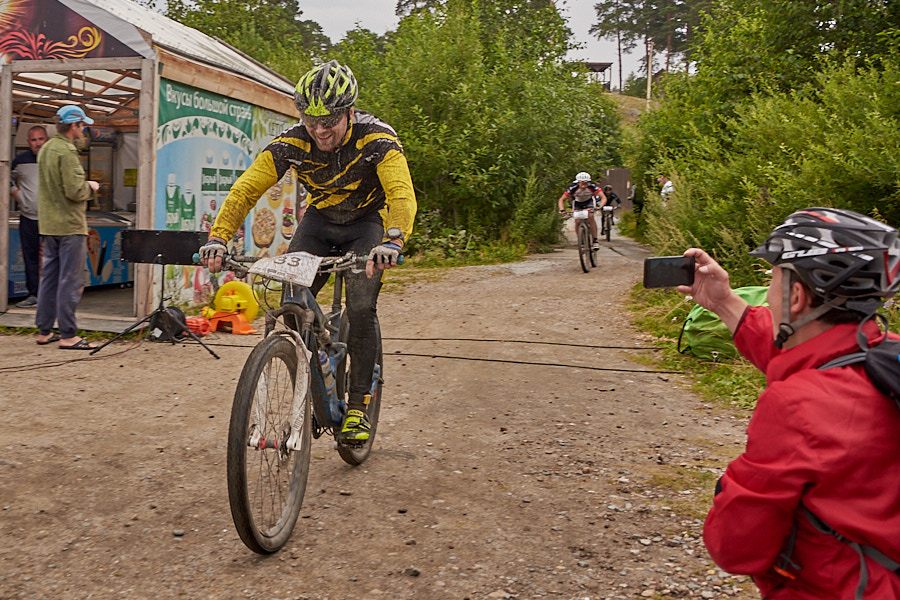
{"points": [[50, 340], [81, 344]]}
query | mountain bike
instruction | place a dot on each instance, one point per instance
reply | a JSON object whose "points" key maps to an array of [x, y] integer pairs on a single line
{"points": [[606, 220], [293, 388], [587, 256]]}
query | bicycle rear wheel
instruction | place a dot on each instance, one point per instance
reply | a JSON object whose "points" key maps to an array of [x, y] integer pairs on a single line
{"points": [[584, 247], [356, 455], [266, 477]]}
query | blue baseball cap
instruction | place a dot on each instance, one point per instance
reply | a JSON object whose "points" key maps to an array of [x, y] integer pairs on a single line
{"points": [[71, 113]]}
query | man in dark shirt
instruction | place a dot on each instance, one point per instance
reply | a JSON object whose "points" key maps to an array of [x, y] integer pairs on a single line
{"points": [[24, 190]]}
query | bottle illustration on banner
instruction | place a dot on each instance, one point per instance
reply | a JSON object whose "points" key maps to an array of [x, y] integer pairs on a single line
{"points": [[188, 209], [173, 204]]}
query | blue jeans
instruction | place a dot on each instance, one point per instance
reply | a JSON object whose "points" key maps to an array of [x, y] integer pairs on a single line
{"points": [[320, 237], [62, 283], [31, 253]]}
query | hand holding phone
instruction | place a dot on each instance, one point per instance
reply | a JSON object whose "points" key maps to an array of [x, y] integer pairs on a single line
{"points": [[668, 271]]}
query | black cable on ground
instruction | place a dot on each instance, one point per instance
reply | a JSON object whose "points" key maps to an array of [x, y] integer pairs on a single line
{"points": [[35, 366], [521, 342], [539, 364], [403, 339]]}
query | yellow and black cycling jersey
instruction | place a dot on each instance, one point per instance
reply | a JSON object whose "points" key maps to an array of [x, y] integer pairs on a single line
{"points": [[368, 173]]}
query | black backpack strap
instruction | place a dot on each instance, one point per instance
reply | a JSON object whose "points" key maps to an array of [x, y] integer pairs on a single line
{"points": [[861, 549], [860, 356], [847, 359], [785, 557], [680, 335]]}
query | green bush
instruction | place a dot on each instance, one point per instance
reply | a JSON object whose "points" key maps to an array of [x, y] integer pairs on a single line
{"points": [[535, 221], [494, 121], [830, 143], [434, 243]]}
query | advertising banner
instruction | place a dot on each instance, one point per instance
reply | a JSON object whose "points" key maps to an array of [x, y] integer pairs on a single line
{"points": [[204, 143], [201, 139], [47, 29]]}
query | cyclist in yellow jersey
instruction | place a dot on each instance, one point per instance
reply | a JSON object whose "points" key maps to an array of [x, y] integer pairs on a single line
{"points": [[361, 200]]}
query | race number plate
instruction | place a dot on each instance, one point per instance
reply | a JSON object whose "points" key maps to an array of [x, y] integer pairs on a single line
{"points": [[580, 214], [298, 268], [607, 208]]}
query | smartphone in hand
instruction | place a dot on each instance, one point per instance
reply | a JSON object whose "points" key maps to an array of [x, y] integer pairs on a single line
{"points": [[668, 271]]}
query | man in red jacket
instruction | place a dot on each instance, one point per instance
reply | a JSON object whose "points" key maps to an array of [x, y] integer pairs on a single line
{"points": [[821, 444]]}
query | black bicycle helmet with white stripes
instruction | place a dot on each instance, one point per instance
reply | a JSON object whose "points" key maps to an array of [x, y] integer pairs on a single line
{"points": [[847, 259]]}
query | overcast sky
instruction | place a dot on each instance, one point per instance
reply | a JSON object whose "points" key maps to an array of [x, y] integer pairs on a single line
{"points": [[338, 16]]}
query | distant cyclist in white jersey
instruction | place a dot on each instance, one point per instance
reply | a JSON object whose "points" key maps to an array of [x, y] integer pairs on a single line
{"points": [[584, 193]]}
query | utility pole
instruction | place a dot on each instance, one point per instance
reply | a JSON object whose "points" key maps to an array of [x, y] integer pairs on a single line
{"points": [[649, 69], [619, 40]]}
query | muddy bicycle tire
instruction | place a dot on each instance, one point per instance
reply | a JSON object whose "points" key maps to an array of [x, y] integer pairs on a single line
{"points": [[356, 455], [266, 482]]}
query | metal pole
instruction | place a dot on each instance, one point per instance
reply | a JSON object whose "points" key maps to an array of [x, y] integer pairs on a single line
{"points": [[5, 160], [649, 70]]}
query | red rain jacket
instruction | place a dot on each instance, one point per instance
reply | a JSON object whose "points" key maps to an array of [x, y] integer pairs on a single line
{"points": [[827, 439]]}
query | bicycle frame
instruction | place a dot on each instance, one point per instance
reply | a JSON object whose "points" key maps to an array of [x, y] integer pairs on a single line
{"points": [[317, 330]]}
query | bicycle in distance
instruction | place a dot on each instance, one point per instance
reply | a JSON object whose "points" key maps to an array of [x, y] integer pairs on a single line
{"points": [[293, 389], [587, 254], [606, 220]]}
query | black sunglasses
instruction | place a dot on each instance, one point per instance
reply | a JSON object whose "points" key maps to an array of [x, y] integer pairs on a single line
{"points": [[326, 122]]}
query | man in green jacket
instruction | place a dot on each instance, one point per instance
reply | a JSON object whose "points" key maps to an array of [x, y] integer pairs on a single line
{"points": [[63, 195]]}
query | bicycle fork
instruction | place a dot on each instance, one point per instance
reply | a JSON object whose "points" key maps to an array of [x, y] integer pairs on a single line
{"points": [[288, 435]]}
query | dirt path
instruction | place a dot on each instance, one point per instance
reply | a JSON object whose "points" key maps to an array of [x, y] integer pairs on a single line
{"points": [[545, 470]]}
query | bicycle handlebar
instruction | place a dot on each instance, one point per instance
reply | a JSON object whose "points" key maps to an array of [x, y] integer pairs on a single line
{"points": [[239, 263]]}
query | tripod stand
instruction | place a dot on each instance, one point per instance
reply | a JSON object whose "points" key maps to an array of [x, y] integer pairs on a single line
{"points": [[161, 248], [168, 322]]}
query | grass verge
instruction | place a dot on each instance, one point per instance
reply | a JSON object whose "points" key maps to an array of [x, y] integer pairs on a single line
{"points": [[729, 383]]}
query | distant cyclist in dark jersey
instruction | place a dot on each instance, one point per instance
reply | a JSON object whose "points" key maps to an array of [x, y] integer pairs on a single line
{"points": [[612, 199], [584, 193], [611, 196], [361, 200]]}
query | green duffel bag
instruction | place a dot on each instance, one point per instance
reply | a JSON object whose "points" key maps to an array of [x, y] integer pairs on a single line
{"points": [[705, 335]]}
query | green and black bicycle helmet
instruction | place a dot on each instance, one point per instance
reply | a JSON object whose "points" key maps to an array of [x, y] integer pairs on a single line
{"points": [[325, 89]]}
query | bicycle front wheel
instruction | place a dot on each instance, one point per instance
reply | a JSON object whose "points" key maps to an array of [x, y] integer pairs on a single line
{"points": [[607, 221], [269, 439], [356, 455], [584, 247]]}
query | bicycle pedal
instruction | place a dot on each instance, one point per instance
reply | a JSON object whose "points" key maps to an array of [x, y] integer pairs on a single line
{"points": [[350, 443]]}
